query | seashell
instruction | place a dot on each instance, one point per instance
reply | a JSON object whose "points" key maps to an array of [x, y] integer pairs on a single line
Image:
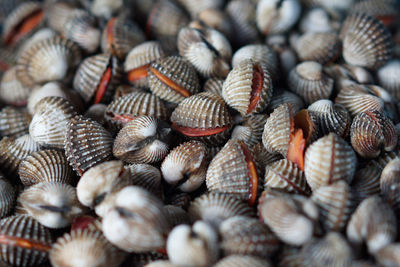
{"points": [[330, 117], [97, 77], [14, 122], [148, 259], [329, 159], [137, 222], [185, 166], [86, 144], [373, 222], [248, 87], [389, 184], [388, 255], [40, 35], [146, 176], [385, 10], [96, 112], [263, 157], [251, 130], [283, 96], [119, 36], [13, 151], [143, 140], [309, 81], [388, 76], [242, 260], [179, 199], [53, 204], [216, 19], [173, 79], [366, 41], [206, 49], [370, 132], [274, 17], [234, 171], [7, 199], [335, 205], [214, 85], [204, 117], [139, 59], [331, 250], [316, 20], [86, 248], [195, 7], [22, 21], [106, 8], [289, 256], [247, 236], [366, 182], [193, 246], [25, 241], [126, 108], [285, 175], [51, 59], [49, 122], [58, 13], [215, 207], [176, 215], [12, 91], [321, 47]]}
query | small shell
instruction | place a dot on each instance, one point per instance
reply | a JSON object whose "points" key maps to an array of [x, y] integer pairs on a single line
{"points": [[51, 59], [12, 91], [389, 183], [329, 159], [119, 36], [97, 78], [242, 260], [14, 122], [84, 248], [173, 79], [86, 144], [234, 171], [251, 130], [204, 117], [26, 241], [248, 87], [319, 47], [389, 77], [366, 41], [143, 140], [7, 197], [186, 166], [374, 222], [309, 81], [284, 96], [372, 131], [45, 166], [248, 236], [214, 85]]}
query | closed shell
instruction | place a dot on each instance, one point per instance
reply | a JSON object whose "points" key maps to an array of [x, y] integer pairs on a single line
{"points": [[284, 96], [389, 183], [12, 91], [251, 130], [389, 77], [319, 47], [14, 122], [366, 182], [146, 176], [7, 197]]}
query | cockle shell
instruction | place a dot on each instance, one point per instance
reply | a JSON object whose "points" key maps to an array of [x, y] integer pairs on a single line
{"points": [[263, 157], [217, 19], [7, 197], [389, 77], [251, 130], [388, 255], [146, 176], [242, 260], [14, 122], [384, 10], [366, 181], [12, 91], [214, 85], [389, 183], [319, 47], [284, 96], [316, 19], [57, 14], [195, 7]]}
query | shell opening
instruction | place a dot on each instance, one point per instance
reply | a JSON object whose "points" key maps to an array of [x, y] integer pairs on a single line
{"points": [[110, 32], [174, 86], [23, 243], [138, 73], [24, 27], [256, 87], [253, 177], [124, 118], [197, 132], [105, 81]]}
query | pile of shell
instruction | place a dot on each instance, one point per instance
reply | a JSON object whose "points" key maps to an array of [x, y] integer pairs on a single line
{"points": [[199, 133]]}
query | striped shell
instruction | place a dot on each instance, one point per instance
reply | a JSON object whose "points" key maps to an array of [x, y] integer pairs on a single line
{"points": [[12, 91], [366, 181], [214, 85], [389, 183], [389, 77], [329, 159], [248, 87], [251, 130], [14, 122], [242, 260], [7, 197], [146, 176], [284, 96], [320, 47], [263, 157]]}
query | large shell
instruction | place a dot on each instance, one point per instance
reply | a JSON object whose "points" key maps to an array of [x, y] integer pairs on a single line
{"points": [[97, 77], [309, 81], [49, 122], [248, 87], [366, 41], [86, 144], [51, 59], [204, 117], [12, 91], [26, 241], [242, 260], [173, 79], [7, 197], [14, 122], [389, 183]]}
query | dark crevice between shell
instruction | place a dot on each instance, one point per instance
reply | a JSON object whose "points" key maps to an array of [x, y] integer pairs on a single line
{"points": [[256, 87], [253, 176], [198, 132]]}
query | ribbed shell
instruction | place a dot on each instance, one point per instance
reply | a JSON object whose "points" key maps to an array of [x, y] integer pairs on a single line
{"points": [[371, 132], [51, 59], [119, 36], [335, 203], [176, 215], [58, 13], [248, 236], [389, 77], [309, 81], [84, 248], [14, 122], [366, 182], [284, 96], [86, 144], [127, 107], [238, 89], [214, 85], [321, 47], [284, 174], [7, 197], [389, 183], [45, 166], [146, 176], [388, 255], [26, 242], [177, 71], [264, 157], [384, 10], [12, 91], [207, 111], [49, 122], [250, 132], [242, 260], [328, 160], [90, 73], [366, 41], [230, 172]]}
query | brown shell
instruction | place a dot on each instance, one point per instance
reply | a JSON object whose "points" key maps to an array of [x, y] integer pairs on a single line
{"points": [[89, 78], [388, 255], [176, 215], [146, 176], [12, 91], [284, 96], [389, 78], [384, 10], [263, 157], [214, 85], [86, 144], [7, 197], [51, 59], [14, 122], [389, 183], [248, 87], [58, 13], [173, 79], [366, 182], [45, 166], [329, 159], [251, 130], [366, 41], [204, 111]]}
